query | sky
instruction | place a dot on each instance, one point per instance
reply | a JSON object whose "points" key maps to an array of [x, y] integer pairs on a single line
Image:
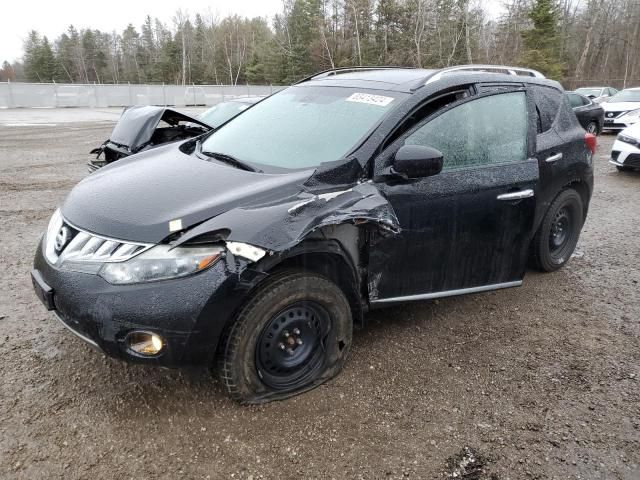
{"points": [[51, 18]]}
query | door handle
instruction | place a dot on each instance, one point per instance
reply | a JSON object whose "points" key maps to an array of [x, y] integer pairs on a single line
{"points": [[519, 195], [554, 158]]}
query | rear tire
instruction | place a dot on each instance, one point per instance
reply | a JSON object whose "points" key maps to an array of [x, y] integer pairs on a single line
{"points": [[292, 335], [556, 239]]}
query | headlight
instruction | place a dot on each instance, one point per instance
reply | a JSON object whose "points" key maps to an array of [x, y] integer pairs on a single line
{"points": [[628, 139], [159, 263], [52, 230], [633, 115]]}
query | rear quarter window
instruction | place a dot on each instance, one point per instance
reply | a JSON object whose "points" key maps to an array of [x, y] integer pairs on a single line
{"points": [[548, 101]]}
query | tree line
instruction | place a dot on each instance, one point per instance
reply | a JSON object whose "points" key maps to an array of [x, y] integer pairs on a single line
{"points": [[578, 41]]}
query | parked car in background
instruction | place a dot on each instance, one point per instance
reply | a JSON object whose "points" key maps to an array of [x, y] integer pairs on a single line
{"points": [[597, 94], [625, 154], [590, 114], [622, 110], [225, 111], [257, 247], [143, 127]]}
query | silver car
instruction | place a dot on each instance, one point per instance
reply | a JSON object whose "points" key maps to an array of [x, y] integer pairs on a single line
{"points": [[597, 94]]}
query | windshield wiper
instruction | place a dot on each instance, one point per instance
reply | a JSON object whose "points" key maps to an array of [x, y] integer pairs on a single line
{"points": [[223, 157]]}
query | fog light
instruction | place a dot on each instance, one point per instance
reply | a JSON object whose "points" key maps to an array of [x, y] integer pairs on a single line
{"points": [[145, 343]]}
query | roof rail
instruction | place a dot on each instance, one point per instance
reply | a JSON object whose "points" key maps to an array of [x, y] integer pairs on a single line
{"points": [[500, 69], [335, 71]]}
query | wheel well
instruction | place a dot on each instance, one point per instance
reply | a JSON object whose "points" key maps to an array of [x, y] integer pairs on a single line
{"points": [[334, 267], [582, 189]]}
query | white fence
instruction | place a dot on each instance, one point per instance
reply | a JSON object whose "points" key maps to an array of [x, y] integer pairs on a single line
{"points": [[14, 95]]}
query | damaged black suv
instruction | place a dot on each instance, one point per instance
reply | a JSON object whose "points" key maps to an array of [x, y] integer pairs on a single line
{"points": [[257, 247]]}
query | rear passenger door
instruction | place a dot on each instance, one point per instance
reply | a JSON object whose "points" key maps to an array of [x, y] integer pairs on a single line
{"points": [[555, 142], [467, 228]]}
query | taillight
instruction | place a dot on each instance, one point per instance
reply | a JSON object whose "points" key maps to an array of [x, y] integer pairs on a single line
{"points": [[591, 141]]}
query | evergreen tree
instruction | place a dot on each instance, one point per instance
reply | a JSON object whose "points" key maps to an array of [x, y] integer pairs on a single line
{"points": [[542, 42]]}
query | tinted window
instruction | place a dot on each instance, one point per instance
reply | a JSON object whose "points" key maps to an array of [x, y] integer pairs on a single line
{"points": [[575, 100], [303, 126], [488, 130], [547, 101]]}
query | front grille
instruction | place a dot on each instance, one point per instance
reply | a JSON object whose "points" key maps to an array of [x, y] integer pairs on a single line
{"points": [[632, 160], [615, 125], [69, 243], [85, 247], [611, 114]]}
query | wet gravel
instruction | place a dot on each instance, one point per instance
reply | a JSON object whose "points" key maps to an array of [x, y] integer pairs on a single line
{"points": [[541, 382]]}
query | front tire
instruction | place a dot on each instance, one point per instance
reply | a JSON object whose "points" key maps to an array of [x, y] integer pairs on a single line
{"points": [[292, 335], [556, 239], [592, 127], [623, 169]]}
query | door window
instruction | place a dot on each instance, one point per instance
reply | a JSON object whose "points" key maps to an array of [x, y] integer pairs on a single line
{"points": [[489, 130], [548, 102], [575, 100]]}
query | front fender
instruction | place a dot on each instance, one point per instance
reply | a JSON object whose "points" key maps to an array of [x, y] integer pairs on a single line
{"points": [[280, 226]]}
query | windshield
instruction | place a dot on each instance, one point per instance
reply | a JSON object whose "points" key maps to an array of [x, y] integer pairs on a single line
{"points": [[222, 112], [302, 126], [626, 96], [593, 92]]}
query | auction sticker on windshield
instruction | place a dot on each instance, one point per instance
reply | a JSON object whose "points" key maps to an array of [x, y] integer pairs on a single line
{"points": [[379, 100]]}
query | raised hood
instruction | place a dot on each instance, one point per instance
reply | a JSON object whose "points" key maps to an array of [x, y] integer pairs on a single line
{"points": [[135, 199], [137, 124]]}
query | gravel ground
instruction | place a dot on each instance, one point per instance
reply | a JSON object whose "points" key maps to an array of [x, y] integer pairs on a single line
{"points": [[542, 381]]}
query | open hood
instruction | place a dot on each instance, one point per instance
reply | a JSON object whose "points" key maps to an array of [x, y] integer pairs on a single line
{"points": [[137, 125], [143, 127]]}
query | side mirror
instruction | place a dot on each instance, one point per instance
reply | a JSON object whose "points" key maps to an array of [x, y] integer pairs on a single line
{"points": [[415, 161]]}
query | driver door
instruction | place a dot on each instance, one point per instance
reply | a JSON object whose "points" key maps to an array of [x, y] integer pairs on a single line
{"points": [[467, 228]]}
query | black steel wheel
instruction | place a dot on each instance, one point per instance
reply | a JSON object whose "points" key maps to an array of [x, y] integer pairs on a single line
{"points": [[291, 346], [556, 239], [293, 334]]}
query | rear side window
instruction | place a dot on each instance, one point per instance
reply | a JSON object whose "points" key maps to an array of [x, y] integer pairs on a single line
{"points": [[574, 100], [547, 101], [489, 130]]}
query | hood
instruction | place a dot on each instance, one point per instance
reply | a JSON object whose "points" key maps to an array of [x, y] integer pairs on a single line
{"points": [[137, 124], [135, 198], [620, 106], [632, 131]]}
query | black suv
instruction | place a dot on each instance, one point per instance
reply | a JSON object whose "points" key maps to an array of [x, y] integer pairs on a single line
{"points": [[257, 247]]}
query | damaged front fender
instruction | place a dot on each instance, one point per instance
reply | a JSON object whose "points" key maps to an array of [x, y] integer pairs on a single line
{"points": [[278, 227]]}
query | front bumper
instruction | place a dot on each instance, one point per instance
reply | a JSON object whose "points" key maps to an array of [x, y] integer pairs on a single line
{"points": [[190, 313], [616, 124], [625, 155]]}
